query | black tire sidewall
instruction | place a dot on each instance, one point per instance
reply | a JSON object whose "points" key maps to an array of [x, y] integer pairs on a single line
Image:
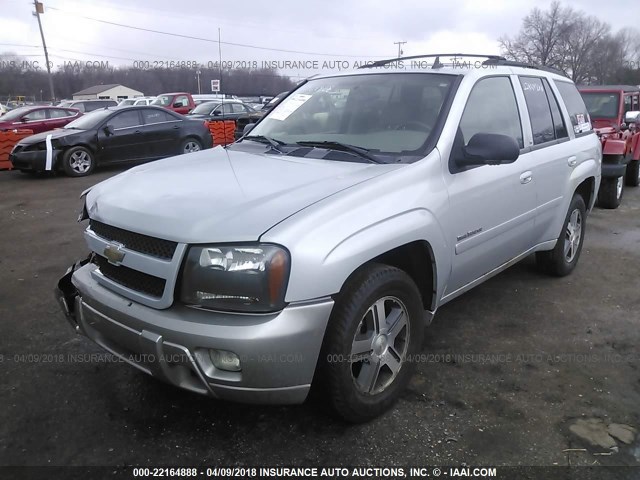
{"points": [[374, 282], [66, 157]]}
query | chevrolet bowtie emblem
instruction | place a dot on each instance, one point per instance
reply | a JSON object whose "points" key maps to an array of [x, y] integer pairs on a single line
{"points": [[114, 253]]}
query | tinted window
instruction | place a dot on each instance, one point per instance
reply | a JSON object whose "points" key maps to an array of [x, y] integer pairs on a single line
{"points": [[156, 116], [227, 108], [238, 108], [559, 127], [35, 115], [125, 119], [580, 120], [60, 113], [492, 108], [90, 120], [539, 110]]}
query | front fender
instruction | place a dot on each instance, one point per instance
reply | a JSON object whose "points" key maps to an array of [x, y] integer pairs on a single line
{"points": [[614, 147], [329, 240]]}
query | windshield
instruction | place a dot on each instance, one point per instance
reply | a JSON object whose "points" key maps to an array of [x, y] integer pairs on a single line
{"points": [[602, 104], [15, 114], [89, 120], [204, 108], [385, 113], [162, 100]]}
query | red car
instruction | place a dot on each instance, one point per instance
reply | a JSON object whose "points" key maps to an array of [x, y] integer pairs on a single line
{"points": [[179, 102], [38, 119]]}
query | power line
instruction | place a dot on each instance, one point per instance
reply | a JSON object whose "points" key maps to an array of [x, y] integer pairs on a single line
{"points": [[202, 39]]}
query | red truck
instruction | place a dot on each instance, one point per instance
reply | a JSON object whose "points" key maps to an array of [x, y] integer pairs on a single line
{"points": [[615, 115], [179, 102]]}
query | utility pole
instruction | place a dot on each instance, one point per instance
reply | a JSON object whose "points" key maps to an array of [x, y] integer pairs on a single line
{"points": [[39, 10], [399, 47], [198, 72]]}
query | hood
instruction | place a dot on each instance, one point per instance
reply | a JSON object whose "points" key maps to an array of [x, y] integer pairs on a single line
{"points": [[218, 195], [41, 137]]}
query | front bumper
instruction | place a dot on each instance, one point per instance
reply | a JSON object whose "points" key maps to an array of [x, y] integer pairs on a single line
{"points": [[278, 352], [32, 160]]}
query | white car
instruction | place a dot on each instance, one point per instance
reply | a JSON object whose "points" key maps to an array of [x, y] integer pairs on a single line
{"points": [[3, 109], [136, 101]]}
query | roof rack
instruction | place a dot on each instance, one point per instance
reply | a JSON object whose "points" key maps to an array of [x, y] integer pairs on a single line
{"points": [[490, 60], [513, 63], [380, 63]]}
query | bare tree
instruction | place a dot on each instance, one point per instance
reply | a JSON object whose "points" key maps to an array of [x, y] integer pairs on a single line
{"points": [[580, 43], [541, 36]]}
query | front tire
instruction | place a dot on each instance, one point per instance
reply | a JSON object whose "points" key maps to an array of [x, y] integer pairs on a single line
{"points": [[78, 162], [610, 193], [375, 329], [633, 173], [564, 257]]}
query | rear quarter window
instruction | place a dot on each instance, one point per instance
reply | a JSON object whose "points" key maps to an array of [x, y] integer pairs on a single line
{"points": [[578, 113]]}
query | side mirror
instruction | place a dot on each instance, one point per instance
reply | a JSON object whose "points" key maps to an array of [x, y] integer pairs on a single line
{"points": [[24, 119], [247, 128], [632, 116], [108, 129], [217, 113], [624, 127], [177, 105], [489, 149]]}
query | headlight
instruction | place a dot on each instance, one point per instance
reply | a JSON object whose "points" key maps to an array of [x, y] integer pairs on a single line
{"points": [[246, 278]]}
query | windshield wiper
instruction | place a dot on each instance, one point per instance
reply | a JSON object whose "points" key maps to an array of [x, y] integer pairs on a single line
{"points": [[345, 147], [275, 144]]}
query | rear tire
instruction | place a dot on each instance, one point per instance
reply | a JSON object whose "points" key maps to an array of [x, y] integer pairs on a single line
{"points": [[190, 145], [78, 162], [564, 257], [610, 193], [375, 328], [633, 173]]}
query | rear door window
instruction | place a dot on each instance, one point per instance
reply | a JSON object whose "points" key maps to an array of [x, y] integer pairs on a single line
{"points": [[580, 121], [156, 116], [539, 110], [559, 127]]}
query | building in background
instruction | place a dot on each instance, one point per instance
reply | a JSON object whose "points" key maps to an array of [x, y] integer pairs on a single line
{"points": [[107, 92]]}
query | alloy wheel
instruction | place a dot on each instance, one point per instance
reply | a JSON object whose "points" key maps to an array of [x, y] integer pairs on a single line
{"points": [[80, 161], [379, 345], [573, 235]]}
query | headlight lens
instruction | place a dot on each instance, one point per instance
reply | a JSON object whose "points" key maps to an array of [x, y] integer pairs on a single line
{"points": [[246, 278]]}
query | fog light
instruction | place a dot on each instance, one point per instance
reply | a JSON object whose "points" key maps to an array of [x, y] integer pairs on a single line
{"points": [[225, 360]]}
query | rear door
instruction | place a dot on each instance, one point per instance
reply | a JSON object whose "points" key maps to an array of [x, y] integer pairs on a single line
{"points": [[126, 141], [492, 207], [553, 155], [160, 132], [59, 117]]}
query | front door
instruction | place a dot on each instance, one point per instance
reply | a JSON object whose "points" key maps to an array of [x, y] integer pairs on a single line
{"points": [[492, 207], [125, 141]]}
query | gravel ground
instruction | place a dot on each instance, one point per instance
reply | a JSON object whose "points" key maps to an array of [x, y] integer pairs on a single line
{"points": [[508, 367]]}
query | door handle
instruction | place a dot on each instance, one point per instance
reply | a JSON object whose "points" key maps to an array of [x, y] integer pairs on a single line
{"points": [[526, 177], [137, 132], [176, 127], [572, 161]]}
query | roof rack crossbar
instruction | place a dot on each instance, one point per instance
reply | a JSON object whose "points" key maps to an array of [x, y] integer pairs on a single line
{"points": [[380, 63]]}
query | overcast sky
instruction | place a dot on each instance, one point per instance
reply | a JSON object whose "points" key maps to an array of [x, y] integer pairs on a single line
{"points": [[341, 30]]}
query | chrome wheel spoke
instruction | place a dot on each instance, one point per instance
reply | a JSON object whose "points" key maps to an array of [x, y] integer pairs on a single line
{"points": [[361, 347], [379, 315], [393, 360], [398, 322], [369, 375]]}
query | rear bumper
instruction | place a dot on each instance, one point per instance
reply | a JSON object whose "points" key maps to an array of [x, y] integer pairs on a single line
{"points": [[278, 352]]}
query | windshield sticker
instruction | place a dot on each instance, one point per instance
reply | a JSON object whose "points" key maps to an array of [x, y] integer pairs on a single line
{"points": [[288, 106], [580, 118]]}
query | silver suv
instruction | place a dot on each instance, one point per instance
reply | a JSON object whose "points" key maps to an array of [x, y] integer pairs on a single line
{"points": [[319, 246]]}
